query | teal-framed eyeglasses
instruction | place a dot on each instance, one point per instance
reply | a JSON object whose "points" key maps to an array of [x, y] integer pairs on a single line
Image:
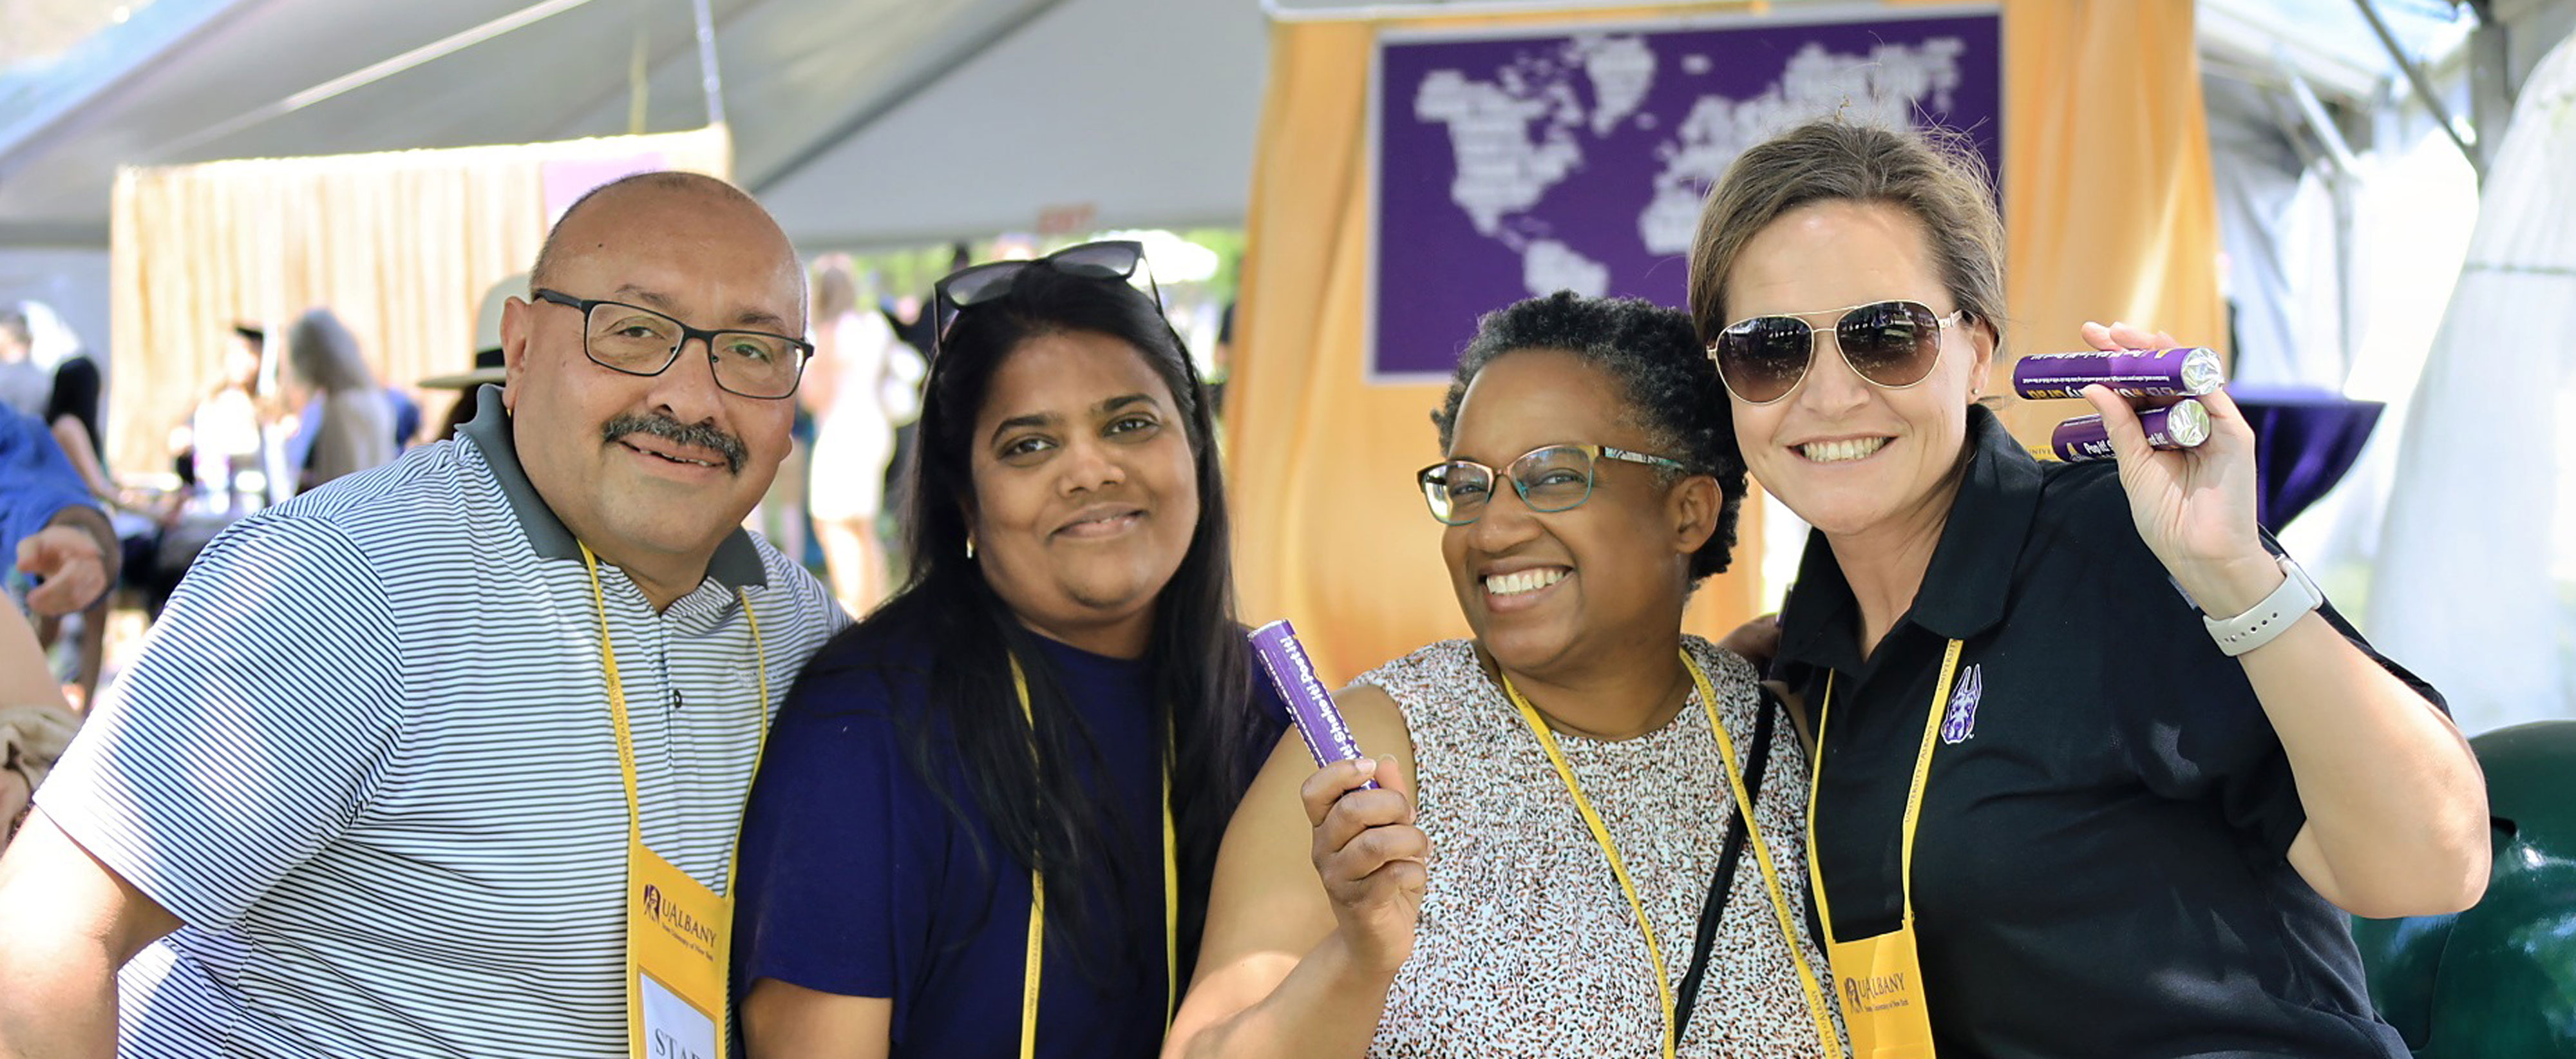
{"points": [[1549, 478]]}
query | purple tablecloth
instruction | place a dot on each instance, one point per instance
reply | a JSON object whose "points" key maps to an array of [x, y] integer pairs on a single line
{"points": [[2304, 442]]}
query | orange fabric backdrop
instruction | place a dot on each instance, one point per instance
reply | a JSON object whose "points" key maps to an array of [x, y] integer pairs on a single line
{"points": [[2109, 209], [400, 245]]}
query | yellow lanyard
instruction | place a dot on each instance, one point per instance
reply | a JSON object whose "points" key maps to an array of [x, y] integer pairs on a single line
{"points": [[1031, 971], [617, 706], [1913, 790], [1816, 1008], [678, 930], [1881, 976]]}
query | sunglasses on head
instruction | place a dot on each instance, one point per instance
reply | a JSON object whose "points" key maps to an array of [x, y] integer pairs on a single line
{"points": [[1115, 259], [1893, 344]]}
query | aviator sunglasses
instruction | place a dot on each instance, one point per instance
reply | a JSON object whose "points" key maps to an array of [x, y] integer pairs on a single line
{"points": [[1893, 344], [1115, 259]]}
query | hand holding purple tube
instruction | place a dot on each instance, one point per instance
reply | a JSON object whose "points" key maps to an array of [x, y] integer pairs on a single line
{"points": [[1369, 853], [2157, 372], [1309, 704]]}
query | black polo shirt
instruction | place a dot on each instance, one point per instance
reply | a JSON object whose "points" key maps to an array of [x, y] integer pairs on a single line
{"points": [[2100, 867]]}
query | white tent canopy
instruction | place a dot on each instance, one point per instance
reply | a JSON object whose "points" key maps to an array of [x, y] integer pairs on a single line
{"points": [[867, 123], [860, 121]]}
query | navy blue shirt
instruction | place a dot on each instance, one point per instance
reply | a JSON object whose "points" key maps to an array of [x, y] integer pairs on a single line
{"points": [[2102, 864], [857, 880]]}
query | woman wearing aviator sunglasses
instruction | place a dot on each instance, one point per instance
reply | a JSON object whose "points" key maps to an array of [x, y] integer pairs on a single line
{"points": [[1558, 861], [2092, 779], [1057, 703]]}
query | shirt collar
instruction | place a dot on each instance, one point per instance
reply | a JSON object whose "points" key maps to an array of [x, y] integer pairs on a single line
{"points": [[1965, 588], [736, 563]]}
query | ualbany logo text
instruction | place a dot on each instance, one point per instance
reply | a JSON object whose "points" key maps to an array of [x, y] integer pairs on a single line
{"points": [[1884, 992]]}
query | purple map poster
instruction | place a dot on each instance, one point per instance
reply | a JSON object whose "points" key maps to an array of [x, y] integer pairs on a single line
{"points": [[1512, 163]]}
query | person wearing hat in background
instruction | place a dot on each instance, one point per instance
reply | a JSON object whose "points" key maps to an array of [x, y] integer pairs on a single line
{"points": [[487, 359]]}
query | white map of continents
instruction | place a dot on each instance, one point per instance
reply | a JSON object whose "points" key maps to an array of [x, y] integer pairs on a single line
{"points": [[1524, 129]]}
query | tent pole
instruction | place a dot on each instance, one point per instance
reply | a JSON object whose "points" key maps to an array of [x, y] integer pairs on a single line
{"points": [[2341, 177], [710, 79], [639, 93], [2321, 122], [2493, 85], [2423, 87]]}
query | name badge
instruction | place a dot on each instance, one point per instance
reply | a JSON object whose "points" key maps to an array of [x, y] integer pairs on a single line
{"points": [[677, 950], [673, 1027], [1879, 982]]}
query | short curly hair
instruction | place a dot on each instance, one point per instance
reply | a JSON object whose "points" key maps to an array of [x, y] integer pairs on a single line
{"points": [[1655, 356]]}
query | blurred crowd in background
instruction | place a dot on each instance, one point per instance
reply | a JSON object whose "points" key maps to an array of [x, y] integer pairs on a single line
{"points": [[296, 405]]}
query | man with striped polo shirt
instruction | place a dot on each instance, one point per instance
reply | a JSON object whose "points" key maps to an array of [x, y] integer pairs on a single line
{"points": [[446, 758]]}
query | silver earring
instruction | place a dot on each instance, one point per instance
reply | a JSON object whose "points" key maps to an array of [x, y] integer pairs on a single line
{"points": [[970, 547]]}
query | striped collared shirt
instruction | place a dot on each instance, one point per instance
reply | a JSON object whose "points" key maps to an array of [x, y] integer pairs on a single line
{"points": [[366, 757]]}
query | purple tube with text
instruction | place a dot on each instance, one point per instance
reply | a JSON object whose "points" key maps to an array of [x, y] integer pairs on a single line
{"points": [[2186, 372], [1309, 704], [2083, 439]]}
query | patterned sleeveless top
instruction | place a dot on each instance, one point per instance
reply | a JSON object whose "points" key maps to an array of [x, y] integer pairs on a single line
{"points": [[1526, 945]]}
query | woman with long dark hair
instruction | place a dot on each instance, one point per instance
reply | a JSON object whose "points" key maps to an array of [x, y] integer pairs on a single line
{"points": [[989, 813]]}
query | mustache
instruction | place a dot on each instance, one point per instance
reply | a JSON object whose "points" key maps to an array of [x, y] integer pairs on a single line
{"points": [[695, 435]]}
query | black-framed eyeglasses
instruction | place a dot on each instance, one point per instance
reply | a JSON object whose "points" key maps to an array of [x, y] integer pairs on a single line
{"points": [[1549, 478], [640, 341], [1111, 259], [1893, 344]]}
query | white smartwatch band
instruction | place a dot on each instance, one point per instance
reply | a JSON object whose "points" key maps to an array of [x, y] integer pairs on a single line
{"points": [[2278, 611]]}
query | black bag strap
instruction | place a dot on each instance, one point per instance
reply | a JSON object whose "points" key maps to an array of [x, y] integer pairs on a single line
{"points": [[1713, 907]]}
